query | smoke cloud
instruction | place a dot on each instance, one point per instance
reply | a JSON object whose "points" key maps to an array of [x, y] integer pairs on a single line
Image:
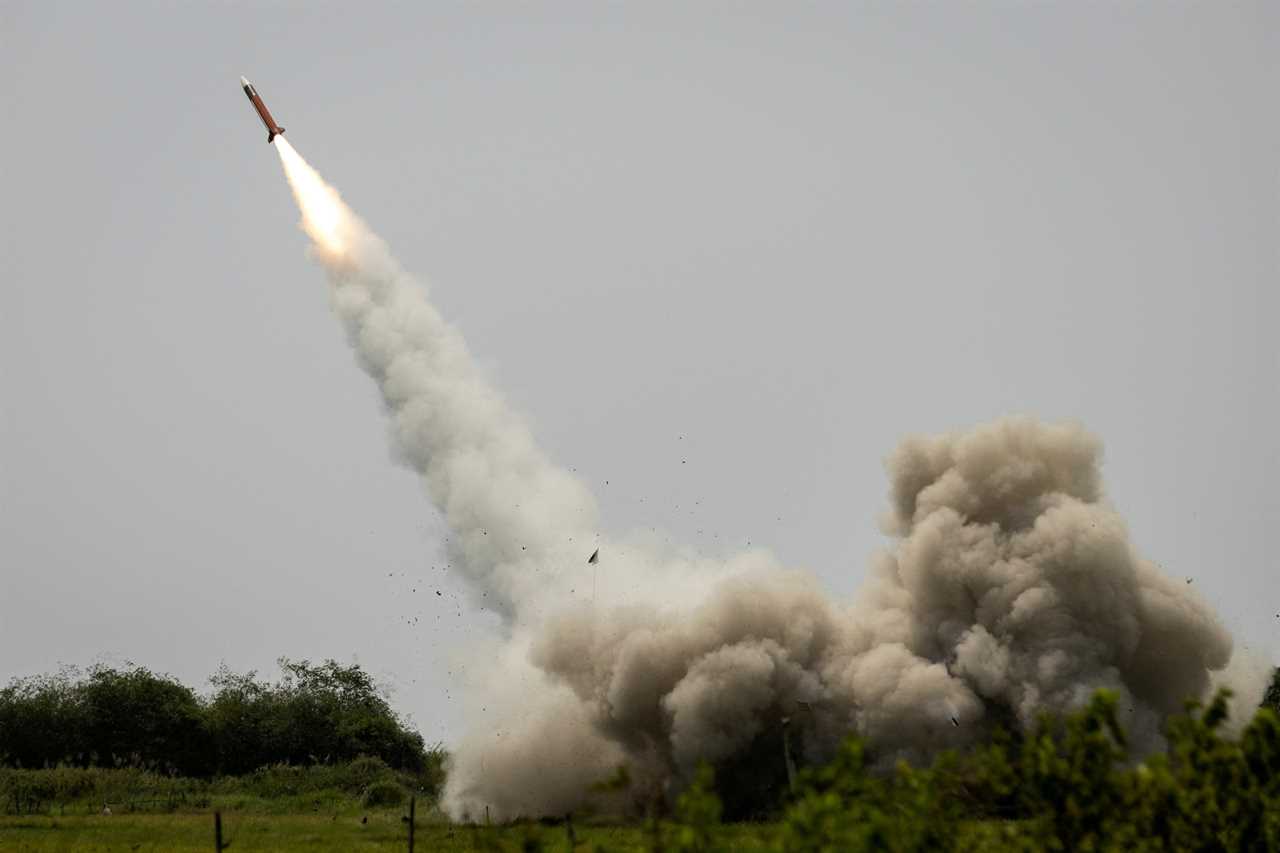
{"points": [[1010, 588]]}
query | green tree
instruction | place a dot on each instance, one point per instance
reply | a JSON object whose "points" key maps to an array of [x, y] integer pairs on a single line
{"points": [[1211, 792], [698, 812], [315, 713], [839, 807], [42, 721], [1272, 698], [1069, 778], [108, 716], [134, 716], [239, 715], [113, 716], [335, 712]]}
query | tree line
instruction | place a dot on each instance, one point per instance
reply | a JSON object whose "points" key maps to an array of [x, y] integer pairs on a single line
{"points": [[112, 716]]}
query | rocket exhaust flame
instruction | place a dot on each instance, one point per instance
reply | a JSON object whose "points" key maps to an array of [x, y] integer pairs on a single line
{"points": [[1010, 587], [327, 221], [512, 512]]}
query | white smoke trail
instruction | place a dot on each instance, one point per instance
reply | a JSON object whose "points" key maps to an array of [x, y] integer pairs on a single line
{"points": [[1012, 587], [514, 516]]}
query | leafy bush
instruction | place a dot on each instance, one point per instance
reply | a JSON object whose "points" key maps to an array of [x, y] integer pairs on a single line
{"points": [[384, 792], [131, 717], [280, 789], [1272, 698], [1068, 785], [128, 788]]}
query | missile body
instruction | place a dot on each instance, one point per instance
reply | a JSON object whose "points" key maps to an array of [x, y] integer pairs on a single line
{"points": [[263, 112]]}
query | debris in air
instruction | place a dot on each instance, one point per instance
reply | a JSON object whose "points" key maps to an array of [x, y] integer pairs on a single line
{"points": [[595, 556]]}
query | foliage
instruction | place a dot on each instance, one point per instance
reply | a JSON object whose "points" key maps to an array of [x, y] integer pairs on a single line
{"points": [[384, 792], [41, 719], [750, 783], [131, 717], [279, 789], [698, 813], [282, 833], [108, 716], [1272, 698], [314, 714], [1068, 785]]}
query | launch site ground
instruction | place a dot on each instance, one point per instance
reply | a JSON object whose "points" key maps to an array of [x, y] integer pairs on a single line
{"points": [[385, 831]]}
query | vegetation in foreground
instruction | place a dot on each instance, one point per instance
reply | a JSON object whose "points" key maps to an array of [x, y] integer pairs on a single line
{"points": [[1069, 785], [330, 789], [383, 832]]}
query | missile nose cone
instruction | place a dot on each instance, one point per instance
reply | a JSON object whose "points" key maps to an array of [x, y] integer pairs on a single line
{"points": [[244, 82]]}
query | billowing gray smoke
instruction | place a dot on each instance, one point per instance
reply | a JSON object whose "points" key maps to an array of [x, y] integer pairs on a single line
{"points": [[1010, 588]]}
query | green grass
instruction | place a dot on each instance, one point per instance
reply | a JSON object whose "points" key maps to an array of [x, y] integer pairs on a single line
{"points": [[365, 783], [385, 831]]}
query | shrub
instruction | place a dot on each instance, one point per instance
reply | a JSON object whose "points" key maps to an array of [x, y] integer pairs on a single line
{"points": [[1272, 698], [383, 793], [1068, 785]]}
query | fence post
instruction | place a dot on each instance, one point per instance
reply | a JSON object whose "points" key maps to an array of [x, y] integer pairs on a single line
{"points": [[412, 802], [217, 832], [786, 755]]}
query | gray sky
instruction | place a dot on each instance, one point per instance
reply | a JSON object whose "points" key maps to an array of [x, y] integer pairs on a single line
{"points": [[723, 256]]}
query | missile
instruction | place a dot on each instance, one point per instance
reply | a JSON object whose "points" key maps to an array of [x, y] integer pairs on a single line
{"points": [[263, 112]]}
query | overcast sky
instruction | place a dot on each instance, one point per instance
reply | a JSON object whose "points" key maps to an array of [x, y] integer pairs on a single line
{"points": [[723, 256]]}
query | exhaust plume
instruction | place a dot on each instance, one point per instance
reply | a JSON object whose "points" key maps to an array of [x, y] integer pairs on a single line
{"points": [[515, 517], [1010, 587]]}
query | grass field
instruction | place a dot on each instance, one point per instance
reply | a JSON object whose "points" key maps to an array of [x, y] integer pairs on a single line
{"points": [[385, 831]]}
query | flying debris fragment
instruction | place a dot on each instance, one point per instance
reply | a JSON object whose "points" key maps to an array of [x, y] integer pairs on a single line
{"points": [[955, 722], [273, 129], [595, 556]]}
